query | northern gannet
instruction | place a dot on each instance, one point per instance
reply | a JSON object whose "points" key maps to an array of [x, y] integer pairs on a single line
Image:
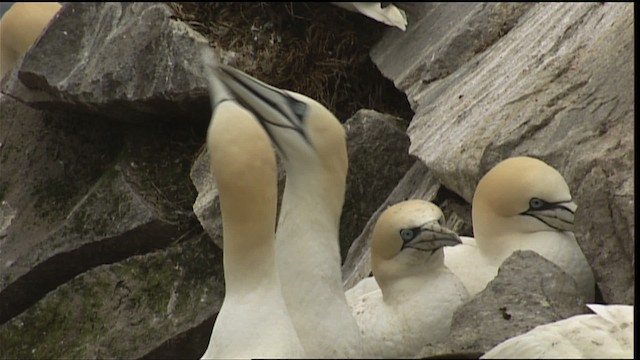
{"points": [[20, 26], [607, 334], [253, 321], [520, 204], [389, 15], [418, 293], [312, 143]]}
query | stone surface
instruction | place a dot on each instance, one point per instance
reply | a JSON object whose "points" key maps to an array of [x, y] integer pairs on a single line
{"points": [[81, 193], [528, 291], [558, 86], [377, 147], [127, 61], [126, 310]]}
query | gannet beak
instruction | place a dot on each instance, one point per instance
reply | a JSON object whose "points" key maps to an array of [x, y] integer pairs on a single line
{"points": [[217, 90], [432, 236], [558, 215], [275, 108]]}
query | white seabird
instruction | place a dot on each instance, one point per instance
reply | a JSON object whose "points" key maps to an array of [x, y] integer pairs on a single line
{"points": [[390, 14], [20, 26], [520, 204], [312, 143], [253, 321], [418, 293], [607, 334]]}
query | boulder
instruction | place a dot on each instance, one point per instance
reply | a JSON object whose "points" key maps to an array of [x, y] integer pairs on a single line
{"points": [[528, 291], [125, 61], [78, 192], [377, 147], [147, 305], [549, 80]]}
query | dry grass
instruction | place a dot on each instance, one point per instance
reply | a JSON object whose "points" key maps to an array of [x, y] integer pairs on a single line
{"points": [[312, 48]]}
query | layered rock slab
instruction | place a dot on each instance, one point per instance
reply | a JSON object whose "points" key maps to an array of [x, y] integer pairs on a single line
{"points": [[557, 86], [138, 307]]}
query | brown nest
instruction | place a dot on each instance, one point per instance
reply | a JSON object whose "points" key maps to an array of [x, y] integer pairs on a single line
{"points": [[312, 48]]}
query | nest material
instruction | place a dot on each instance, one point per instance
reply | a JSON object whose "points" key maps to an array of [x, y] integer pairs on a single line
{"points": [[312, 48]]}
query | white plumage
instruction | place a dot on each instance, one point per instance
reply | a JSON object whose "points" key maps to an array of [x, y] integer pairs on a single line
{"points": [[607, 334], [520, 204], [390, 14], [418, 294], [254, 321], [312, 143]]}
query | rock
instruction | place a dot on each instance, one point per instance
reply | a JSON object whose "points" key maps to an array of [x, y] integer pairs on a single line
{"points": [[207, 206], [528, 291], [377, 147], [128, 309], [126, 61], [81, 192], [556, 86]]}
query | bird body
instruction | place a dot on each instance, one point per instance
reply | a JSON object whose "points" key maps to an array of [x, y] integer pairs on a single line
{"points": [[418, 294], [390, 14], [607, 334], [20, 26], [253, 321], [312, 143]]}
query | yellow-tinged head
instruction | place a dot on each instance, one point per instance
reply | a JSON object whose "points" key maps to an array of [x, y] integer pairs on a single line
{"points": [[521, 195], [405, 238]]}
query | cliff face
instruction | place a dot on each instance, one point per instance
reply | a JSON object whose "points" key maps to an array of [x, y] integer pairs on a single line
{"points": [[107, 210]]}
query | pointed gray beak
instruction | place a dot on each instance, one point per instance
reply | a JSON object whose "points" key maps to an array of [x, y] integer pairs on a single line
{"points": [[433, 236], [275, 108], [218, 92]]}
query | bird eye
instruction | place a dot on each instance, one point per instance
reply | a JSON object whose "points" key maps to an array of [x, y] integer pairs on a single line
{"points": [[536, 203], [406, 234], [441, 220]]}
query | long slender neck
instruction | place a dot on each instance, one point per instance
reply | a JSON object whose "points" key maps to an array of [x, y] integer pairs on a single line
{"points": [[310, 215], [249, 249], [402, 276]]}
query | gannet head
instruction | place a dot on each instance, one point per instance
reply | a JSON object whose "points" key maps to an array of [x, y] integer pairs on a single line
{"points": [[305, 133], [407, 238], [242, 161], [521, 195]]}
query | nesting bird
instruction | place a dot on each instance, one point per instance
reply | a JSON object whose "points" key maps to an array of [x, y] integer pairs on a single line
{"points": [[418, 293], [254, 321], [520, 204], [312, 143], [390, 14], [607, 334], [20, 26]]}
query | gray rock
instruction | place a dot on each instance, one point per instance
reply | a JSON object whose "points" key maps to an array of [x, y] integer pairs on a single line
{"points": [[78, 193], [556, 86], [126, 61], [377, 147], [207, 206], [528, 291], [129, 309]]}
